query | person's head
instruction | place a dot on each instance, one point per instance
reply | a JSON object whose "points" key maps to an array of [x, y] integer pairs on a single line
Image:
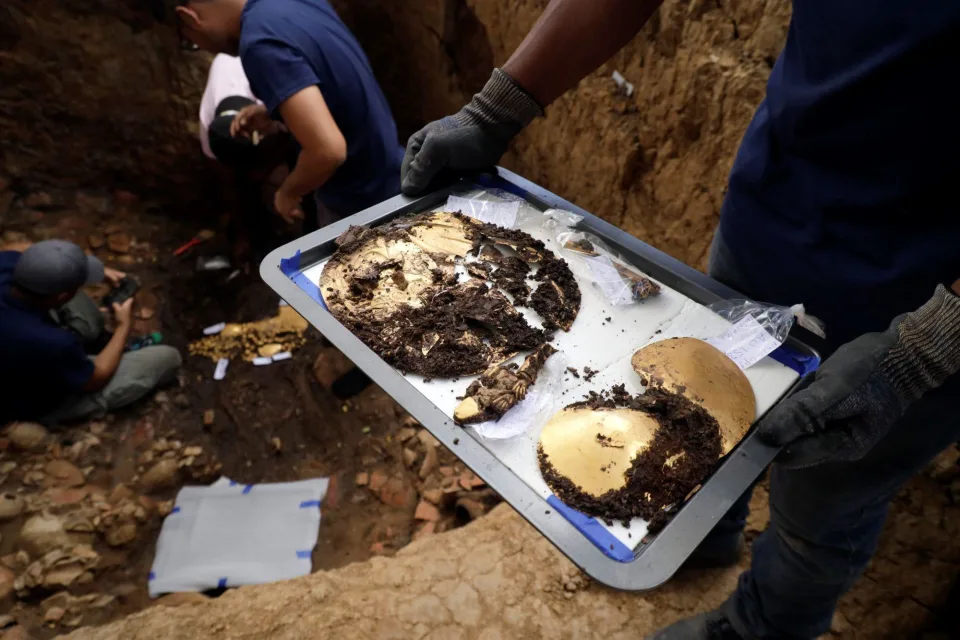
{"points": [[49, 273], [237, 153], [212, 25]]}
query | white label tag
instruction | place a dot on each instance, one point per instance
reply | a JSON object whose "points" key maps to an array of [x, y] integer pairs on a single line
{"points": [[215, 329], [503, 214], [746, 342], [283, 355], [262, 360], [221, 371], [615, 289]]}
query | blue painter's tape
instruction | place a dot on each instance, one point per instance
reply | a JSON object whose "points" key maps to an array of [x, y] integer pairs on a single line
{"points": [[151, 576], [175, 510], [290, 266], [247, 489], [309, 288], [593, 531], [799, 362], [233, 483], [307, 504], [222, 584], [304, 553]]}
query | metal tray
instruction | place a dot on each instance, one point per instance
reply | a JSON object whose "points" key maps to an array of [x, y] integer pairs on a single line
{"points": [[653, 562]]}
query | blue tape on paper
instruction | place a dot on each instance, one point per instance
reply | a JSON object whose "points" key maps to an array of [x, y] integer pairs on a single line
{"points": [[233, 483], [175, 510], [291, 268], [151, 576], [304, 553], [222, 584], [593, 531], [799, 362], [247, 489], [307, 504]]}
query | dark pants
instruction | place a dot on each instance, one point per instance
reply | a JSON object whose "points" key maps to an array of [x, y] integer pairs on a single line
{"points": [[825, 521]]}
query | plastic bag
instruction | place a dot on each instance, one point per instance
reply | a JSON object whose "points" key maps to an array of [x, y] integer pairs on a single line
{"points": [[494, 206], [593, 261], [758, 329]]}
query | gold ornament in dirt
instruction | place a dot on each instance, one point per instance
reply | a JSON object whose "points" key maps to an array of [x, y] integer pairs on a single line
{"points": [[283, 332]]}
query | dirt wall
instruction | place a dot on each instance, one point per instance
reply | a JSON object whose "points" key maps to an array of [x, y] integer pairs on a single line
{"points": [[656, 163], [96, 93]]}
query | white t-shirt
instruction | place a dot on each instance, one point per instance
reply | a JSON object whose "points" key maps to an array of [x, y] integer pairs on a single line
{"points": [[226, 79]]}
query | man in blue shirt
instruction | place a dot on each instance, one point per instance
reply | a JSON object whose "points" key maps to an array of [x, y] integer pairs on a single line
{"points": [[46, 325], [842, 197], [310, 72]]}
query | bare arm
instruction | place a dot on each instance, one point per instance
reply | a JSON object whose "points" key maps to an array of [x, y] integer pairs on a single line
{"points": [[571, 39], [106, 363], [323, 147]]}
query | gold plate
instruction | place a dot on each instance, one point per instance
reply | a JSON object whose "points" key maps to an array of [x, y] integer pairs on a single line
{"points": [[704, 374], [595, 447]]}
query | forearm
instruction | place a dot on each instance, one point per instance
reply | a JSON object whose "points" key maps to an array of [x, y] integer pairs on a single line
{"points": [[106, 363], [571, 39], [313, 169]]}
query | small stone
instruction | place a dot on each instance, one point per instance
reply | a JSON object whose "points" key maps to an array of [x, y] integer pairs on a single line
{"points": [[120, 493], [7, 578], [192, 451], [428, 529], [119, 242], [430, 462], [160, 476], [95, 241], [377, 480], [44, 533], [409, 457], [277, 444], [54, 615], [123, 533], [362, 479], [164, 507], [208, 417], [427, 438], [406, 433], [433, 495], [469, 481], [6, 621], [397, 493], [68, 495], [426, 511], [11, 506], [146, 313], [377, 548], [65, 473], [27, 436], [447, 471]]}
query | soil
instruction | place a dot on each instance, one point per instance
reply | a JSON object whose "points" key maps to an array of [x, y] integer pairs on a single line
{"points": [[684, 451], [557, 299], [275, 423]]}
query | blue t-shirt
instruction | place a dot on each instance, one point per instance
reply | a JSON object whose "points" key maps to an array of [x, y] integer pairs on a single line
{"points": [[41, 364], [289, 45], [843, 195]]}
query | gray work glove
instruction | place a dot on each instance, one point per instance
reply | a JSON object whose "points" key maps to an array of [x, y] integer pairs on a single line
{"points": [[472, 139], [866, 386]]}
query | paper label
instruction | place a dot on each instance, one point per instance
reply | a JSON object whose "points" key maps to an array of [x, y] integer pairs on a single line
{"points": [[614, 288], [221, 371], [283, 355], [746, 342], [503, 214], [262, 360], [215, 329]]}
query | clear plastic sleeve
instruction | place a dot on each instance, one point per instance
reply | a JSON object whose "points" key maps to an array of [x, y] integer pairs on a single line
{"points": [[593, 261]]}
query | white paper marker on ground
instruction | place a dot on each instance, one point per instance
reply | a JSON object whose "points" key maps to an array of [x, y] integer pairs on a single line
{"points": [[262, 360], [214, 329], [746, 342], [283, 355], [221, 371]]}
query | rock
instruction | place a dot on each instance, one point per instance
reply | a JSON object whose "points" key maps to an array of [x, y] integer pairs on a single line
{"points": [[406, 433], [362, 479], [409, 457], [54, 615], [7, 578], [164, 507], [95, 241], [181, 598], [67, 495], [64, 473], [122, 533], [430, 462], [119, 242], [447, 471], [377, 480], [208, 417], [146, 313], [120, 493], [192, 451], [428, 529], [427, 438], [11, 506], [6, 621], [161, 476], [399, 494], [426, 511], [469, 481], [42, 534], [27, 436], [435, 496], [277, 444]]}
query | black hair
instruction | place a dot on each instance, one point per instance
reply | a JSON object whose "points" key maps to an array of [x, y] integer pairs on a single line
{"points": [[238, 152]]}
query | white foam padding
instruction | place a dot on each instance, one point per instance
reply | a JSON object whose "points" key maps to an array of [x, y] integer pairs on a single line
{"points": [[229, 534]]}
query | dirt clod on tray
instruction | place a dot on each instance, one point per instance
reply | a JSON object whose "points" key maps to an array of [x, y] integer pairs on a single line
{"points": [[557, 298], [684, 451]]}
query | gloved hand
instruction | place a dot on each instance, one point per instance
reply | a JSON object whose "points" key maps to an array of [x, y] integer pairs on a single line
{"points": [[866, 386], [472, 139]]}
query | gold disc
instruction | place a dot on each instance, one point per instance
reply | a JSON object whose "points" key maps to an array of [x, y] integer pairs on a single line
{"points": [[594, 447], [704, 374]]}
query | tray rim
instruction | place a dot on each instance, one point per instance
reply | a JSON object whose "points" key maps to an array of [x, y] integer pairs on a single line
{"points": [[654, 562]]}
